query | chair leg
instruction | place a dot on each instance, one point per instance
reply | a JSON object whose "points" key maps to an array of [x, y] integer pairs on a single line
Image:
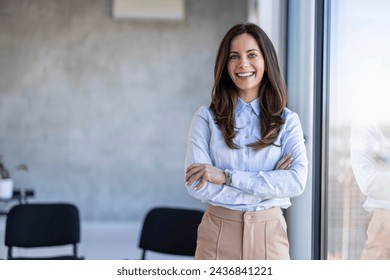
{"points": [[9, 253], [143, 254], [75, 250]]}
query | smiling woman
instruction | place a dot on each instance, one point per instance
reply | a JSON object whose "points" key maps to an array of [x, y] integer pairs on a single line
{"points": [[245, 153], [246, 66]]}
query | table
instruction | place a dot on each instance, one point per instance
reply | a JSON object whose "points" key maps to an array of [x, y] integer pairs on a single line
{"points": [[19, 196]]}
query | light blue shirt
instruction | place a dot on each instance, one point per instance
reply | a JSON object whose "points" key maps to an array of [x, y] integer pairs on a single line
{"points": [[370, 159], [255, 183]]}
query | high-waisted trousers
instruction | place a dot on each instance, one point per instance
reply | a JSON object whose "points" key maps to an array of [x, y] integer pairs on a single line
{"points": [[226, 234], [377, 245]]}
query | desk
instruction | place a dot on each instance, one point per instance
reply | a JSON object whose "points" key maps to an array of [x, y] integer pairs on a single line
{"points": [[18, 196]]}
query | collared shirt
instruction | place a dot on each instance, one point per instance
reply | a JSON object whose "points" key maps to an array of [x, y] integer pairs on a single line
{"points": [[370, 159], [256, 185]]}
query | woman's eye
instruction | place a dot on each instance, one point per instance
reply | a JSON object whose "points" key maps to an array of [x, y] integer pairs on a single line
{"points": [[252, 55], [233, 57]]}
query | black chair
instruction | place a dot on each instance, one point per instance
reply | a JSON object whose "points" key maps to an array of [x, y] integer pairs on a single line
{"points": [[43, 225], [170, 231]]}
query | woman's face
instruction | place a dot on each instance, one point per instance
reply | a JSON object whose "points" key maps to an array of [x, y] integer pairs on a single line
{"points": [[246, 66]]}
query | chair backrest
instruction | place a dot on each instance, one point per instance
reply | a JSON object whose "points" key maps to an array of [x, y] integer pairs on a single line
{"points": [[42, 225], [170, 231]]}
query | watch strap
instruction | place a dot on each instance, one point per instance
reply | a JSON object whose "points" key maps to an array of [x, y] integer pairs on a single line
{"points": [[228, 177]]}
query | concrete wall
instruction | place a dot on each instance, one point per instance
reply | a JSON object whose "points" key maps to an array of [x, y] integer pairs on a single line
{"points": [[99, 109]]}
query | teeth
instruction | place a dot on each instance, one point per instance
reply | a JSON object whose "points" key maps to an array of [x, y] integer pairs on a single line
{"points": [[244, 74]]}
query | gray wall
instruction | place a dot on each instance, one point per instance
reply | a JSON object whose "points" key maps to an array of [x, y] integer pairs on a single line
{"points": [[99, 109]]}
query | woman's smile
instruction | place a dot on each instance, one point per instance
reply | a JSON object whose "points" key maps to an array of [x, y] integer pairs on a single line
{"points": [[244, 75]]}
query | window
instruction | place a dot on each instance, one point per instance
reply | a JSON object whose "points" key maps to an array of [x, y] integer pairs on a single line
{"points": [[357, 94]]}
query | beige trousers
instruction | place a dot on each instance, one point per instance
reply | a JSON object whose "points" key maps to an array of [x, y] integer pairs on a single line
{"points": [[377, 245], [226, 234]]}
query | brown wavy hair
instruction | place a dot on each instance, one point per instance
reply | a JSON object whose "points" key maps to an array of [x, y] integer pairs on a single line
{"points": [[272, 90]]}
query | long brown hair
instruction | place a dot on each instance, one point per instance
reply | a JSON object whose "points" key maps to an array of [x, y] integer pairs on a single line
{"points": [[272, 91]]}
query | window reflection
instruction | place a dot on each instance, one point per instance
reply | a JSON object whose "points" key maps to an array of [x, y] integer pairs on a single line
{"points": [[358, 159]]}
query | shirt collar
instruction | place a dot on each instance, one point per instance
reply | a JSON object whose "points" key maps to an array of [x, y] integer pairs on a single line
{"points": [[240, 105]]}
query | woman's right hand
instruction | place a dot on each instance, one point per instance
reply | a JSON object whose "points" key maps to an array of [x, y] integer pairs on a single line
{"points": [[205, 173], [285, 162]]}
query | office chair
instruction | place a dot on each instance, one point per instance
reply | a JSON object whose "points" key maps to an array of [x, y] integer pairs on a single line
{"points": [[43, 225], [170, 231]]}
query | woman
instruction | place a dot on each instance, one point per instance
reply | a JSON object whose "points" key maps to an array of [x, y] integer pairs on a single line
{"points": [[370, 161], [245, 154]]}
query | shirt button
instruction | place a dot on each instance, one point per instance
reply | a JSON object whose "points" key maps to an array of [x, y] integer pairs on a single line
{"points": [[248, 122], [247, 136]]}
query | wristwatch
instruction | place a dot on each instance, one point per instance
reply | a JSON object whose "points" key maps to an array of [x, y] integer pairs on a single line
{"points": [[228, 177]]}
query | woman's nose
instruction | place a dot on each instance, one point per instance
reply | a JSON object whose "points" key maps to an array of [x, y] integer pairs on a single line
{"points": [[244, 63]]}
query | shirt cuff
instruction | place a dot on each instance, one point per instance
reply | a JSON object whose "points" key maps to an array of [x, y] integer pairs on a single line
{"points": [[251, 182]]}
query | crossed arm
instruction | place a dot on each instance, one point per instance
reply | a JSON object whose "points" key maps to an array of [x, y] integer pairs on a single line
{"points": [[204, 172], [206, 182]]}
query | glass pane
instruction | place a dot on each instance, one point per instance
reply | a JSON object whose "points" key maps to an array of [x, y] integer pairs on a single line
{"points": [[358, 149]]}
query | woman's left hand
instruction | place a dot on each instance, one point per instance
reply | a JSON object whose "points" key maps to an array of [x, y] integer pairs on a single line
{"points": [[284, 163], [206, 173]]}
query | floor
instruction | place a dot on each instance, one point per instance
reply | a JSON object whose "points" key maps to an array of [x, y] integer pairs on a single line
{"points": [[99, 241]]}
